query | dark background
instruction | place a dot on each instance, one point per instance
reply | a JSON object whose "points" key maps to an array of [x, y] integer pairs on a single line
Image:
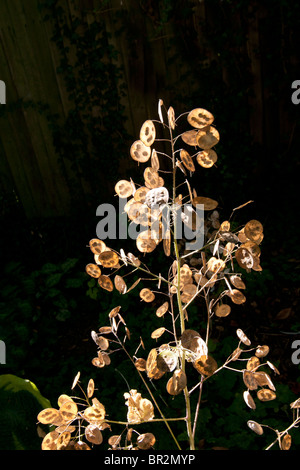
{"points": [[65, 143]]}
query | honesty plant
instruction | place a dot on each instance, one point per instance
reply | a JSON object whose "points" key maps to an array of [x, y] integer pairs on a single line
{"points": [[208, 269]]}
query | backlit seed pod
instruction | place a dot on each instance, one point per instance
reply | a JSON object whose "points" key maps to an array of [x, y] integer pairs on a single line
{"points": [[207, 158], [177, 382], [97, 246], [147, 295], [148, 133], [254, 426], [108, 259], [187, 160], [253, 230], [140, 152], [200, 118], [124, 189], [93, 270], [208, 139]]}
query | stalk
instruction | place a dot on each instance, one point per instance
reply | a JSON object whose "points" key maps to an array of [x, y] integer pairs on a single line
{"points": [[179, 302]]}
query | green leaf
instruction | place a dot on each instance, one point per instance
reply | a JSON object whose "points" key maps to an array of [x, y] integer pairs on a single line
{"points": [[53, 279], [12, 383]]}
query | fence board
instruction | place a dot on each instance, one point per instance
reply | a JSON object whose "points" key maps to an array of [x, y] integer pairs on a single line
{"points": [[28, 64]]}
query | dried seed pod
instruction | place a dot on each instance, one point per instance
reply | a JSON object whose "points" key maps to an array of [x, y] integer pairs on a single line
{"points": [[200, 118], [171, 117], [207, 158], [157, 197], [68, 411], [97, 246], [48, 416], [286, 442], [190, 137], [148, 133], [160, 104], [140, 152], [215, 265], [208, 203], [75, 381], [177, 382], [188, 292], [102, 343], [154, 160], [145, 242], [147, 295], [241, 335], [90, 388], [237, 297], [120, 284], [106, 283], [138, 213], [192, 341], [105, 330], [244, 258], [273, 367], [265, 394], [140, 364], [93, 434], [253, 230], [108, 259], [114, 312], [63, 440], [252, 247], [208, 139], [158, 332], [187, 160], [124, 189], [146, 441], [167, 360], [253, 363], [50, 440], [114, 441], [93, 270], [262, 378], [237, 282], [167, 243], [191, 219], [153, 372], [140, 194], [249, 400], [249, 380], [222, 310], [206, 365], [95, 414], [254, 426], [63, 398], [262, 351], [225, 226], [162, 309], [151, 178]]}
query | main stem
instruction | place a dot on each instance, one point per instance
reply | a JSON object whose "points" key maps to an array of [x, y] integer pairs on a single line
{"points": [[179, 302]]}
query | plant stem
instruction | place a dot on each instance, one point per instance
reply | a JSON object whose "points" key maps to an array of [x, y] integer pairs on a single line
{"points": [[179, 302]]}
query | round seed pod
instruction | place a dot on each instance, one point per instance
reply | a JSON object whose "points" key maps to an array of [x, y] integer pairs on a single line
{"points": [[140, 152], [200, 118], [148, 133]]}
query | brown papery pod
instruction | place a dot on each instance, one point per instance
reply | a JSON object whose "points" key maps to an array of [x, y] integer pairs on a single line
{"points": [[177, 382]]}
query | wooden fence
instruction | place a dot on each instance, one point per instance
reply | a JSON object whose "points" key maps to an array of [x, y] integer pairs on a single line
{"points": [[151, 68]]}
